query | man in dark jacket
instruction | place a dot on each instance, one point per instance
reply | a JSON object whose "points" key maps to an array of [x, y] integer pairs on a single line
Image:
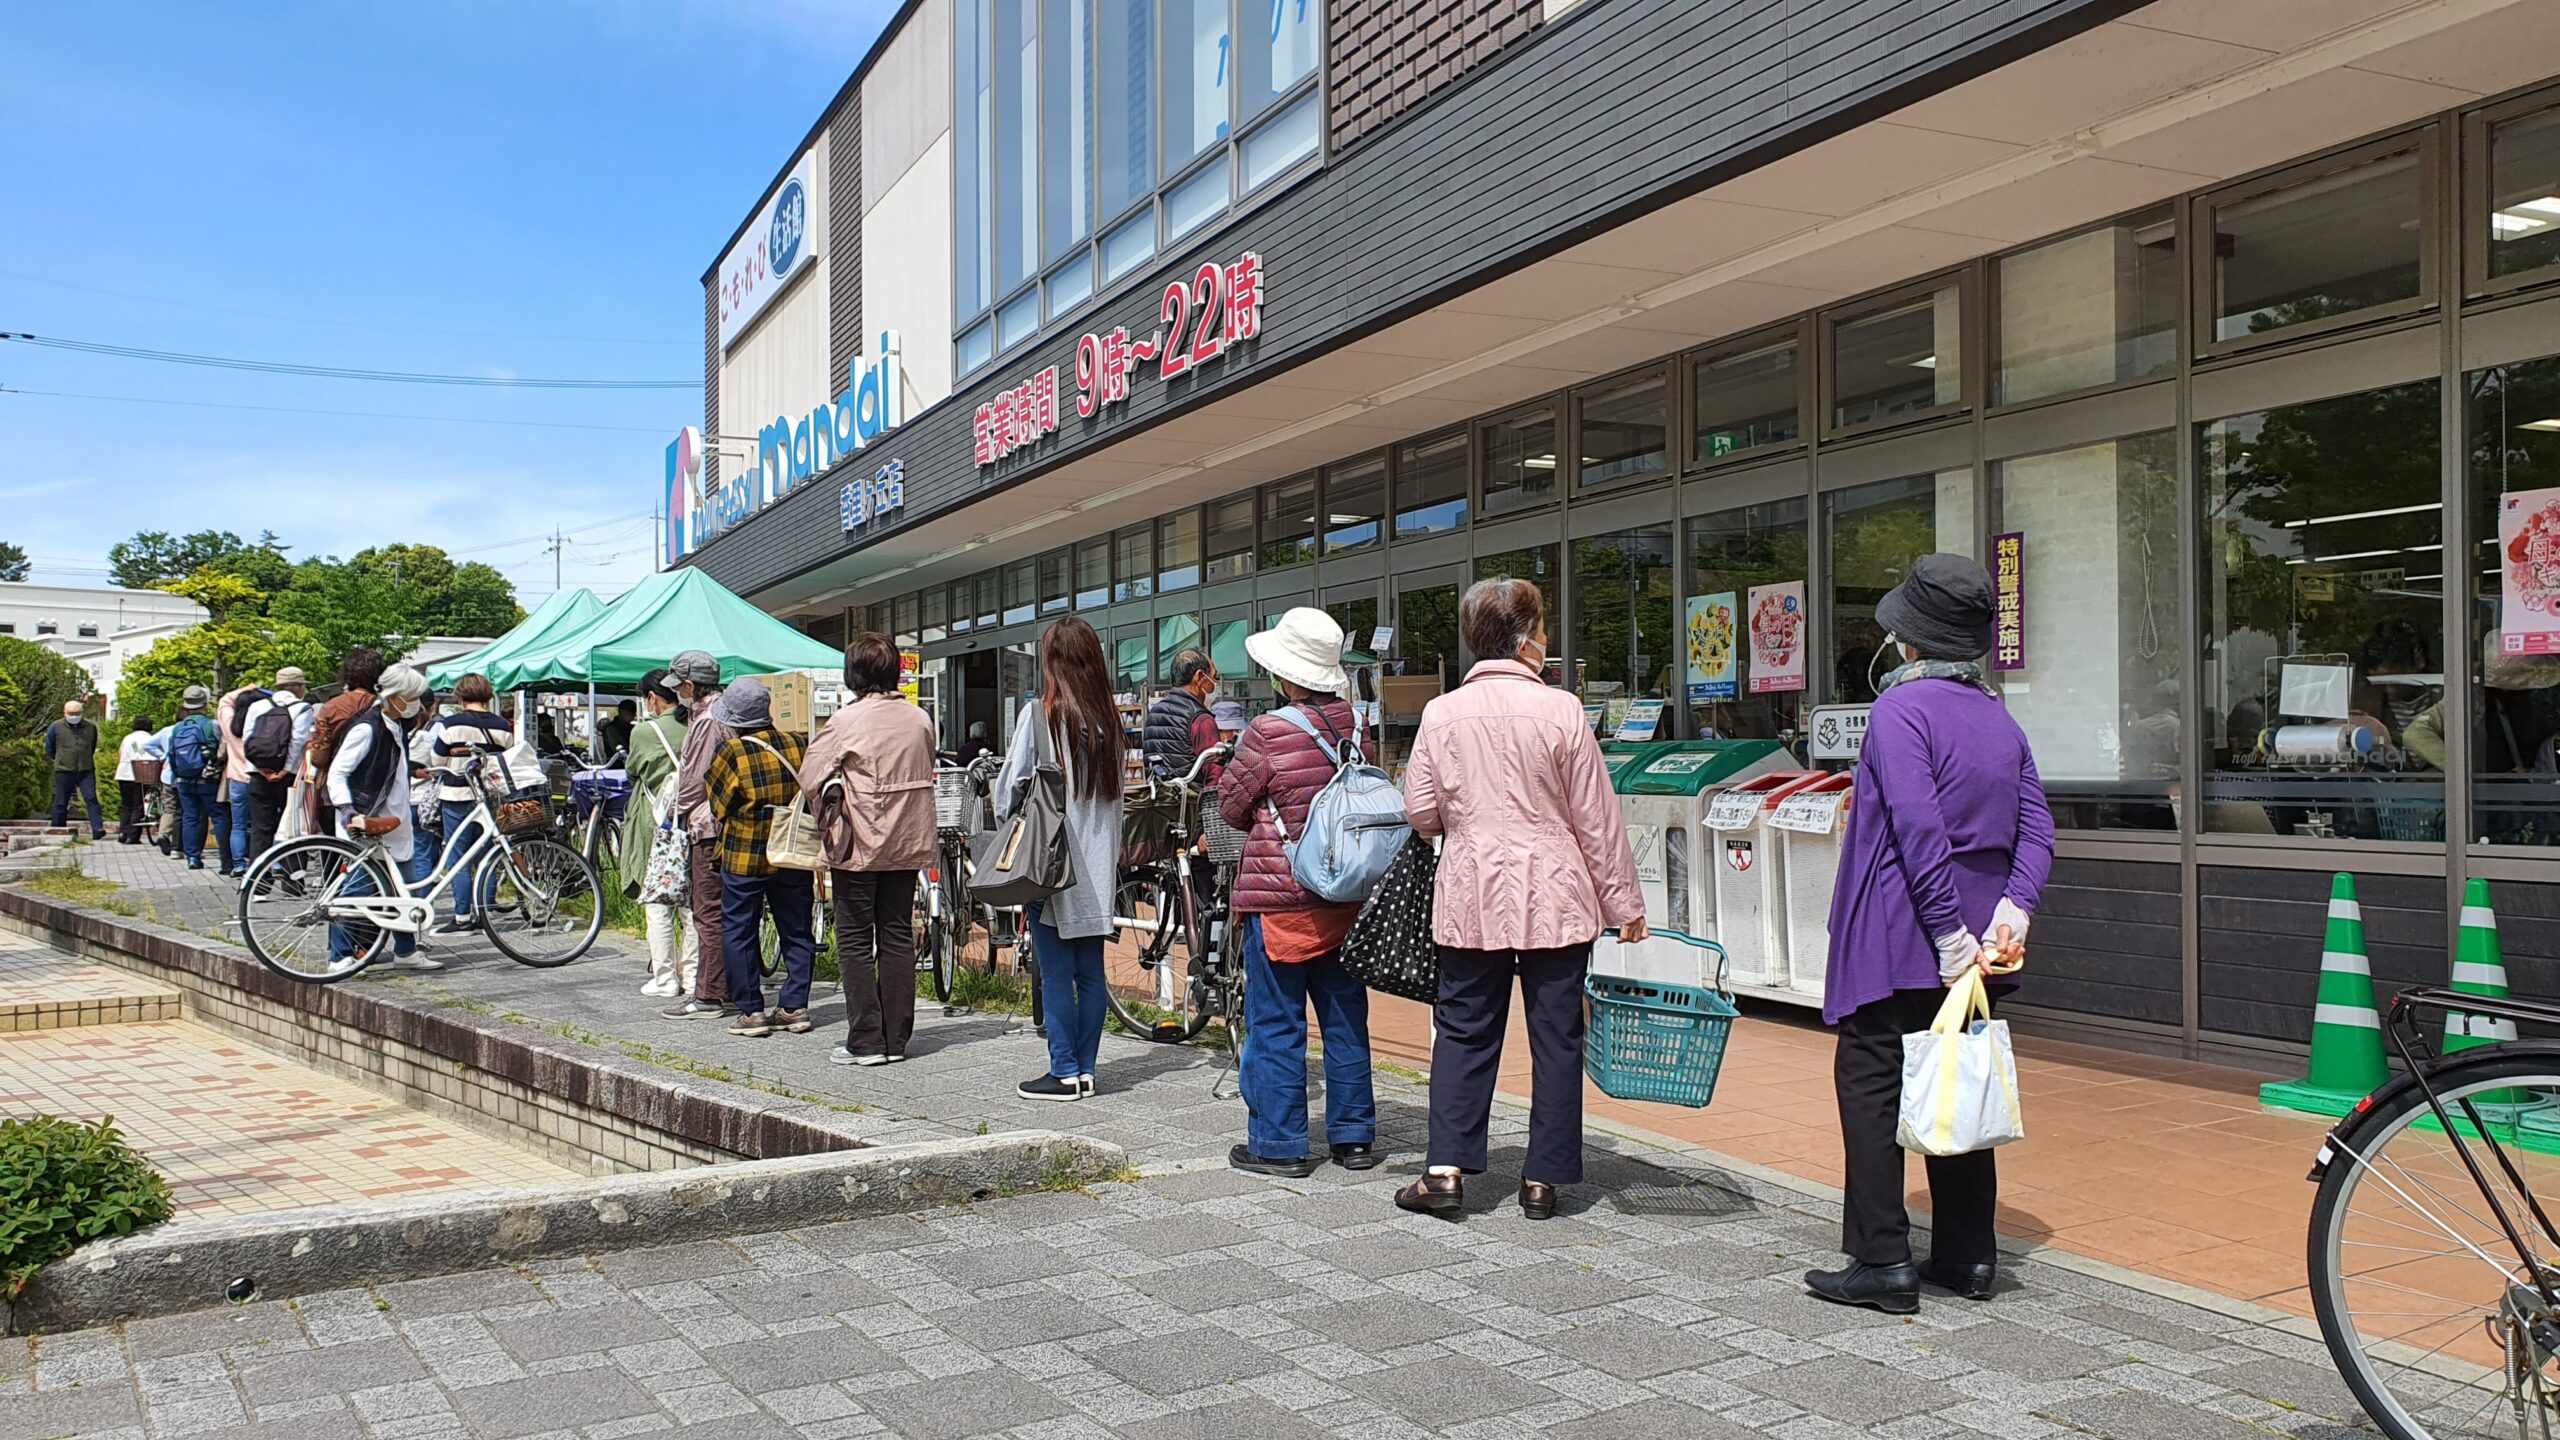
{"points": [[1292, 940], [72, 742], [1179, 726]]}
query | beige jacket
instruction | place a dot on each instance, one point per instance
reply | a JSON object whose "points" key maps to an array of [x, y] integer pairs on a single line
{"points": [[883, 748]]}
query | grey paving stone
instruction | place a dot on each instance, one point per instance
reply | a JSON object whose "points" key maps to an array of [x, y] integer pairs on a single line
{"points": [[1379, 1257], [2127, 1415], [863, 1237], [336, 1426], [552, 1402], [990, 1401], [1190, 1232], [1009, 1324], [552, 1333], [69, 1411], [1383, 1322], [453, 1294], [335, 1370], [2296, 1387], [1177, 1364], [1783, 1306], [2030, 1354], [661, 1264], [1652, 1420], [795, 1360], [981, 1267], [1853, 1392], [1445, 1391], [1194, 1288], [1558, 1288], [1210, 1184], [1723, 1261], [224, 1329], [1249, 1419], [1634, 1349], [766, 1298]]}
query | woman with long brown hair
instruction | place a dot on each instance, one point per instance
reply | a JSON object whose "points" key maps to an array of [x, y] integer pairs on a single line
{"points": [[1075, 723]]}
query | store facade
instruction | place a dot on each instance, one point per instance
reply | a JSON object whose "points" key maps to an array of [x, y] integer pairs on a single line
{"points": [[2228, 335]]}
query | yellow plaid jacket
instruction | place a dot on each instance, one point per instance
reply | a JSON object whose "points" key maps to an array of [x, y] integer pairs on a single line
{"points": [[746, 784]]}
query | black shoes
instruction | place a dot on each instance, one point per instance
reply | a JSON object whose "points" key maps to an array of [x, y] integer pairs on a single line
{"points": [[1893, 1289], [1537, 1200], [1970, 1282], [1045, 1086], [1355, 1155], [1443, 1195], [1299, 1169]]}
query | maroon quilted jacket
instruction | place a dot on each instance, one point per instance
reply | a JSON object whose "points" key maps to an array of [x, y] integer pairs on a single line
{"points": [[1277, 762]]}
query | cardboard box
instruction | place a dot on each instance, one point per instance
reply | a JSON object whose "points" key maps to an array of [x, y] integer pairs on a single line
{"points": [[1403, 696], [793, 713]]}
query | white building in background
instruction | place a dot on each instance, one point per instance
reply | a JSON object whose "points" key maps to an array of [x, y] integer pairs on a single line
{"points": [[431, 650], [101, 630]]}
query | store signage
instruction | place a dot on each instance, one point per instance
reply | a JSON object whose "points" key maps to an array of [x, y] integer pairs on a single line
{"points": [[1733, 809], [1714, 660], [788, 453], [1642, 721], [776, 246], [1836, 732], [1811, 813], [2009, 601], [1777, 623], [2529, 572], [1202, 318], [879, 497]]}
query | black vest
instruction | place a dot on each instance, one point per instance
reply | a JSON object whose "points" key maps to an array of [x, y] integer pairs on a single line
{"points": [[1167, 739]]}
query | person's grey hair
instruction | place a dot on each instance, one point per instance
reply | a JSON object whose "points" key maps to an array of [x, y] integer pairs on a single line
{"points": [[402, 680], [1497, 616]]}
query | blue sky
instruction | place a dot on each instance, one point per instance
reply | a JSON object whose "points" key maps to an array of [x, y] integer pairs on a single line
{"points": [[464, 186]]}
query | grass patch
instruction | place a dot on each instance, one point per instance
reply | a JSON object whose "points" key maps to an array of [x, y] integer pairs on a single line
{"points": [[77, 887], [1005, 994]]}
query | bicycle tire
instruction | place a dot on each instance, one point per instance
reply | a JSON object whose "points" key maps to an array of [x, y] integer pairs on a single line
{"points": [[520, 891], [271, 913], [2364, 1148], [943, 940], [1153, 894]]}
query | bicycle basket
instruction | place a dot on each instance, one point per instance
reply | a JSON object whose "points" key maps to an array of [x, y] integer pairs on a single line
{"points": [[1652, 1040], [608, 788], [1222, 842], [1153, 822], [951, 797], [522, 812]]}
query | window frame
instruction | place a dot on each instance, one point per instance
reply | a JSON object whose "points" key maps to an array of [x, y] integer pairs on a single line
{"points": [[1252, 551], [2180, 238], [2196, 222], [1827, 325], [1738, 347], [1667, 372], [1558, 406], [2472, 162]]}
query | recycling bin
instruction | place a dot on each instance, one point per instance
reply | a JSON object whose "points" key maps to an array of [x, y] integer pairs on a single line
{"points": [[1748, 879], [1804, 830], [1664, 795]]}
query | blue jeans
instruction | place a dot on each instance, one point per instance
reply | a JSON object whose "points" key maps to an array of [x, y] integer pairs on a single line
{"points": [[743, 899], [196, 817], [1273, 1070], [457, 818], [347, 938], [1071, 996], [238, 793]]}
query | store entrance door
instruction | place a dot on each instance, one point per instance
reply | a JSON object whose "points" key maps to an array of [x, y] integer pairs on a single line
{"points": [[977, 699]]}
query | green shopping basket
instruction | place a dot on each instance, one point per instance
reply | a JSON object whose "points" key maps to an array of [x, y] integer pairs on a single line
{"points": [[1653, 1040]]}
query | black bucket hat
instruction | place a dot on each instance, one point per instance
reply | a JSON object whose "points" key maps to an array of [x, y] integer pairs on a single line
{"points": [[1943, 608]]}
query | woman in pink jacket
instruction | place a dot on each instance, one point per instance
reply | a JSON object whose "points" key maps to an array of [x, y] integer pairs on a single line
{"points": [[1535, 862]]}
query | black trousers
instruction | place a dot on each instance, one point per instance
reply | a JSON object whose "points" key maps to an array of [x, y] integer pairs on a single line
{"points": [[876, 954], [1466, 1056], [129, 811], [84, 785], [266, 813], [1964, 1190]]}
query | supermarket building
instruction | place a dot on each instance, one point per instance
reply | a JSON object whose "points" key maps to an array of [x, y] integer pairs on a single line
{"points": [[2233, 325]]}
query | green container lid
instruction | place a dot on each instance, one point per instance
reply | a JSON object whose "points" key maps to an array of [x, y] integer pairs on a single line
{"points": [[1625, 757], [1688, 767]]}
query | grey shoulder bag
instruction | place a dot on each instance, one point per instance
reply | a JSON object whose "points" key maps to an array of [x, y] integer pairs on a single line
{"points": [[1025, 857]]}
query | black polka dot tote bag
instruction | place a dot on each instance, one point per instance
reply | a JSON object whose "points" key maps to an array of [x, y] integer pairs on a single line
{"points": [[1390, 946]]}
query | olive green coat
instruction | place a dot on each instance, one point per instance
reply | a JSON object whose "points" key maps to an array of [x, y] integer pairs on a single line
{"points": [[652, 769]]}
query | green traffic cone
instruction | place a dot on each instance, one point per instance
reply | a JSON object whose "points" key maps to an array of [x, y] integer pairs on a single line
{"points": [[2478, 969], [2346, 1029]]}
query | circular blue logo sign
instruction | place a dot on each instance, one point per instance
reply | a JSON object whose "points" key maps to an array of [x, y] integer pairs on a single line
{"points": [[790, 223]]}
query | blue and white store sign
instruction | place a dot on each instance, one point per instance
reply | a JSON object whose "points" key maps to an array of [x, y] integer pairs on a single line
{"points": [[791, 453], [772, 251]]}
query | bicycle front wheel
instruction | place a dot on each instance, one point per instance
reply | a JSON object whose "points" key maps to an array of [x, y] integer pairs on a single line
{"points": [[284, 909], [946, 920], [2435, 1320], [540, 902], [1165, 1007]]}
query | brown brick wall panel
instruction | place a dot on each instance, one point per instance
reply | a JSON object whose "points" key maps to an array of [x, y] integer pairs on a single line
{"points": [[1391, 55], [710, 385], [844, 238]]}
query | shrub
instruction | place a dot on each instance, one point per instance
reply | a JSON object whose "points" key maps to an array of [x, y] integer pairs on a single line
{"points": [[65, 1182]]}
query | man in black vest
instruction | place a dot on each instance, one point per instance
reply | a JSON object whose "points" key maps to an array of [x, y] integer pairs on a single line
{"points": [[1179, 725]]}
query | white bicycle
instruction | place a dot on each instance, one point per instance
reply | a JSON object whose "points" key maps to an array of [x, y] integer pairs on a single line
{"points": [[321, 908]]}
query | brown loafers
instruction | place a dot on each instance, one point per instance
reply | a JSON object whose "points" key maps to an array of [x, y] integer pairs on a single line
{"points": [[1537, 1200], [1433, 1195]]}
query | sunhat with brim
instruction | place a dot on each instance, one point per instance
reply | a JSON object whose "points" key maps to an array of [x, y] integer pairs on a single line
{"points": [[1305, 649]]}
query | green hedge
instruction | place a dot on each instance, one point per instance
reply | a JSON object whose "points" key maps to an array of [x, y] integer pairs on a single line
{"points": [[65, 1182]]}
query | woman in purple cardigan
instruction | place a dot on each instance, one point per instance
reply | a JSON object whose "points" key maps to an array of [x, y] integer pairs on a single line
{"points": [[1943, 862]]}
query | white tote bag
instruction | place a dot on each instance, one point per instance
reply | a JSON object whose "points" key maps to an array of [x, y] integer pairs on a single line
{"points": [[1959, 1078]]}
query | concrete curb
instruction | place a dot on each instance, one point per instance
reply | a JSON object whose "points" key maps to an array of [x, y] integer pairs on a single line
{"points": [[194, 1264]]}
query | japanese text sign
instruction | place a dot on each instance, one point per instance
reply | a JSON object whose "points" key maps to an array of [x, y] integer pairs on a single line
{"points": [[2009, 601], [878, 496]]}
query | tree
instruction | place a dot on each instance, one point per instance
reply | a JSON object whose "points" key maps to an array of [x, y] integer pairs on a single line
{"points": [[226, 597], [13, 561], [478, 601], [346, 607], [34, 685], [262, 564], [216, 656], [155, 557]]}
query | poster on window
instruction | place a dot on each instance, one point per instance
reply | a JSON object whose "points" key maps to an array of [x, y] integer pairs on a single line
{"points": [[1777, 628], [2009, 601], [2529, 572], [1714, 659]]}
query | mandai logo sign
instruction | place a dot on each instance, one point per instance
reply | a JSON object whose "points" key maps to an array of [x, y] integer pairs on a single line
{"points": [[789, 454], [770, 253], [790, 224]]}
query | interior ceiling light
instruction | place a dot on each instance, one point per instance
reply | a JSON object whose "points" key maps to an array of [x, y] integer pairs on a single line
{"points": [[2551, 424], [1539, 462], [2377, 514], [1925, 362]]}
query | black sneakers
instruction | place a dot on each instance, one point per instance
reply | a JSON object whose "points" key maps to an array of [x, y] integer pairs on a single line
{"points": [[1045, 1086]]}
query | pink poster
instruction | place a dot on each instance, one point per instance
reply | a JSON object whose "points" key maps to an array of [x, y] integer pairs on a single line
{"points": [[1777, 637], [2529, 572]]}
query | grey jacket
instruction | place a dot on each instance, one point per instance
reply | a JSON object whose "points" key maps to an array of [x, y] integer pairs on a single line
{"points": [[1082, 910]]}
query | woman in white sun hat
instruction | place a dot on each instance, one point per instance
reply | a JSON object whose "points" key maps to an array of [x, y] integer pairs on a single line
{"points": [[1293, 940]]}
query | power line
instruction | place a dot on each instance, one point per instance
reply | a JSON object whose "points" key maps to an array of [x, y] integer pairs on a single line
{"points": [[334, 324], [351, 414], [333, 372]]}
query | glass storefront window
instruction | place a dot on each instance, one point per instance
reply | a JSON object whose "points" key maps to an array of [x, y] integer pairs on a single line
{"points": [[1536, 564], [2514, 448], [2524, 194], [1174, 634], [904, 612], [1741, 401], [1289, 522], [1520, 461], [1127, 115], [2096, 308], [990, 600], [1017, 147], [1274, 53], [1624, 429], [937, 614], [1427, 633], [1874, 532], [2325, 245], [1022, 593], [1730, 552], [1195, 78], [971, 225], [1056, 576], [1230, 537], [1625, 639], [2323, 598], [1132, 659], [2097, 687], [1178, 551], [1358, 617], [1355, 502], [1066, 82], [1227, 629], [1133, 563], [964, 608], [1899, 362], [1093, 573], [1431, 485]]}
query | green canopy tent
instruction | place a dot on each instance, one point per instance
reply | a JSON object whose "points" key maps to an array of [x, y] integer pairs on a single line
{"points": [[672, 611], [563, 612]]}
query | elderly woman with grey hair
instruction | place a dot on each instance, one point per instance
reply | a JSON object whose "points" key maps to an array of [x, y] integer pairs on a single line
{"points": [[1534, 863], [368, 784]]}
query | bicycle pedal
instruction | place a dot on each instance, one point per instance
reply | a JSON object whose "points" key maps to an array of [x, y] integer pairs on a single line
{"points": [[1164, 1031]]}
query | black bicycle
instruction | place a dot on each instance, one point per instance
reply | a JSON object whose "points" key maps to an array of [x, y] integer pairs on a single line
{"points": [[2433, 1258], [1175, 914]]}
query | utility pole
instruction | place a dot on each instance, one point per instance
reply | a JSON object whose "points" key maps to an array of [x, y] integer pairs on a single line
{"points": [[557, 545]]}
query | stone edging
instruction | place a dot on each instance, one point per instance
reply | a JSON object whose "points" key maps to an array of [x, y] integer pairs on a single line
{"points": [[195, 1264]]}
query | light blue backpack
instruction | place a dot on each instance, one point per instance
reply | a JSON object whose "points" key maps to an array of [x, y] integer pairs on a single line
{"points": [[1355, 824]]}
